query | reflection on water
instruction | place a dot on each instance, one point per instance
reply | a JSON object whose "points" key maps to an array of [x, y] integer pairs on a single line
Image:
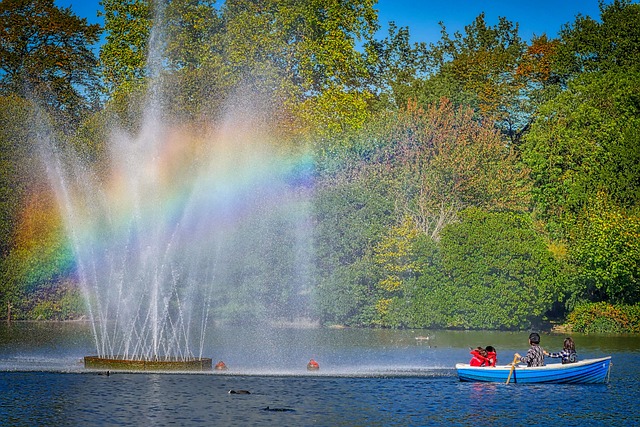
{"points": [[366, 377]]}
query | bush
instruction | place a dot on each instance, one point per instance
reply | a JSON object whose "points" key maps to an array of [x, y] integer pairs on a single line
{"points": [[602, 317], [58, 301], [45, 310]]}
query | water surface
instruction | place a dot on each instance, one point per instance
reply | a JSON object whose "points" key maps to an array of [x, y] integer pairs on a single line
{"points": [[367, 378]]}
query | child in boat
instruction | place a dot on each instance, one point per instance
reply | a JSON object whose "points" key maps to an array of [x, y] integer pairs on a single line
{"points": [[535, 355], [492, 356], [568, 353], [479, 357]]}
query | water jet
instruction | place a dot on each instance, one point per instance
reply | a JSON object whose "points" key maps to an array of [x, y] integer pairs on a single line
{"points": [[176, 228]]}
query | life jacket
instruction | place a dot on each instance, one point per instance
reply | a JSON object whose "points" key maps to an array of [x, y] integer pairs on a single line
{"points": [[477, 359], [492, 358]]}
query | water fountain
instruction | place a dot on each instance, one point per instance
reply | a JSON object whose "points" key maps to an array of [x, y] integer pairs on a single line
{"points": [[175, 234], [172, 234]]}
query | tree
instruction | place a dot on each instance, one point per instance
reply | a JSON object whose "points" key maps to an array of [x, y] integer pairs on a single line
{"points": [[501, 274], [396, 68], [16, 164], [536, 64], [585, 141], [193, 31], [123, 57], [46, 54], [303, 56], [438, 161], [350, 216], [584, 154], [589, 46], [479, 68], [607, 252], [395, 257], [426, 165], [197, 81]]}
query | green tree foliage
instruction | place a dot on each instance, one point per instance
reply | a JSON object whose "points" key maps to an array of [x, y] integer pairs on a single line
{"points": [[489, 271], [295, 62], [46, 54], [428, 165], [192, 28], [439, 160], [197, 77], [479, 69], [350, 216], [395, 257], [607, 252], [16, 164], [585, 141], [429, 295], [590, 46], [304, 55], [396, 68], [394, 253], [500, 272], [602, 317], [123, 57]]}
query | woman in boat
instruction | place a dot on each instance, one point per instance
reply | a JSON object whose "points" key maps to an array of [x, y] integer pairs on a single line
{"points": [[535, 355], [568, 353], [492, 356]]}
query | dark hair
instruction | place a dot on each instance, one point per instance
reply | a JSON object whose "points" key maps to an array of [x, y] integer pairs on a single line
{"points": [[534, 337], [481, 351], [490, 348], [569, 344]]}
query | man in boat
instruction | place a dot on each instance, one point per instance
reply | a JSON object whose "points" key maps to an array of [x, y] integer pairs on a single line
{"points": [[535, 354]]}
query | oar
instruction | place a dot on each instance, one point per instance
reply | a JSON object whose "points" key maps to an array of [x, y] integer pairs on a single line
{"points": [[513, 366]]}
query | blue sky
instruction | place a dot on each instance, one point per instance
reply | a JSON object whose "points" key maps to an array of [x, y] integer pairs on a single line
{"points": [[422, 17]]}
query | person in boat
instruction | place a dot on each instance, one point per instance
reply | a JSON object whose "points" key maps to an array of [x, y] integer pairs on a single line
{"points": [[568, 353], [492, 356], [478, 357], [535, 354]]}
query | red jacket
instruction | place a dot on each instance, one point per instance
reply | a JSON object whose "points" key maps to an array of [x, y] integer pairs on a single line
{"points": [[478, 359], [492, 358]]}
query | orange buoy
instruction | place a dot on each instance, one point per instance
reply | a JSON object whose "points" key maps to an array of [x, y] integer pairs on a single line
{"points": [[313, 365], [220, 366]]}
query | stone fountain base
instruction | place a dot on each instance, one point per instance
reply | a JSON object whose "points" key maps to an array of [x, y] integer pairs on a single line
{"points": [[118, 363]]}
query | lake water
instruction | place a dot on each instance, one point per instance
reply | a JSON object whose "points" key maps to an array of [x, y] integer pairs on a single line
{"points": [[366, 378]]}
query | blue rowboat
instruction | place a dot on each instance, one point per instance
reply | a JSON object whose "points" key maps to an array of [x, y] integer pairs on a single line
{"points": [[589, 371]]}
